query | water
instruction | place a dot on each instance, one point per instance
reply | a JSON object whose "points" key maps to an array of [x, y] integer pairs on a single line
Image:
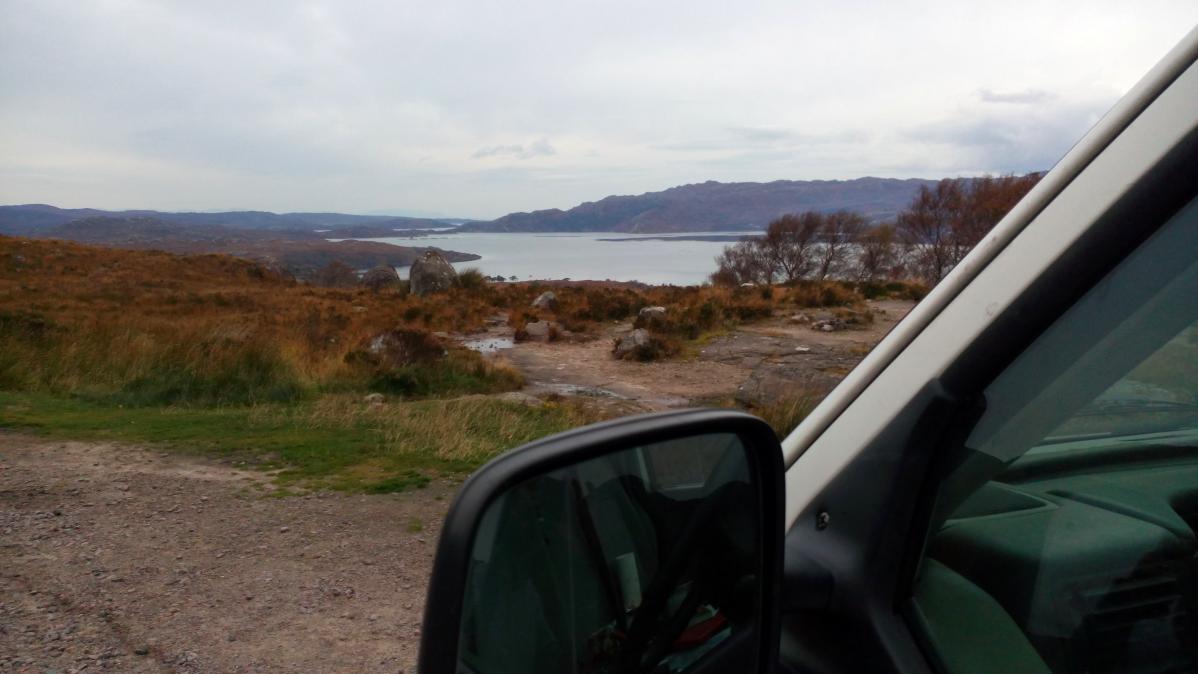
{"points": [[648, 258]]}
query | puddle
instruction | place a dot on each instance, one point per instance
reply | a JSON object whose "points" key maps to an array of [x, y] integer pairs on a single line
{"points": [[489, 344]]}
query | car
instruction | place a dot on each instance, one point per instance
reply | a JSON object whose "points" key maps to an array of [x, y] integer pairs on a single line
{"points": [[1007, 483]]}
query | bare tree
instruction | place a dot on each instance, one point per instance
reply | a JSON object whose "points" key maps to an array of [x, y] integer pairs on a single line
{"points": [[839, 233], [744, 262], [942, 224], [790, 242], [928, 226], [878, 254]]}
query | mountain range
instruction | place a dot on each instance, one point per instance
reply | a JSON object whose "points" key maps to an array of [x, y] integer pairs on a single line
{"points": [[36, 218], [701, 207], [714, 206]]}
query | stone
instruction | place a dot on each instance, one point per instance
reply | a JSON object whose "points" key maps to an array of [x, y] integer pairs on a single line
{"points": [[546, 300], [540, 331], [431, 273], [652, 313], [380, 278], [627, 344], [397, 348]]}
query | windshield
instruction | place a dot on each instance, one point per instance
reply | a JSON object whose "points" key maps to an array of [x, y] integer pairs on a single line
{"points": [[1121, 362]]}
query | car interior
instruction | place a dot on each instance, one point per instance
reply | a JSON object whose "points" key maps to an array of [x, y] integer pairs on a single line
{"points": [[1066, 537]]}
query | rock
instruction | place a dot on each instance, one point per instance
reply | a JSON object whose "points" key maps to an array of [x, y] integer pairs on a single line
{"points": [[627, 344], [539, 331], [799, 319], [431, 273], [398, 348], [546, 300], [273, 265], [652, 313], [373, 398], [521, 398], [380, 278]]}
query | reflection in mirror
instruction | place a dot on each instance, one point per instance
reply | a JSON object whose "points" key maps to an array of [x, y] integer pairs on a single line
{"points": [[642, 560]]}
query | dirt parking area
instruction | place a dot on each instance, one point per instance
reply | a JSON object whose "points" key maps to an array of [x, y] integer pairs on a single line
{"points": [[115, 558]]}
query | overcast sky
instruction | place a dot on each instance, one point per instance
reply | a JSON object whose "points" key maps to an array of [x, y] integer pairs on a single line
{"points": [[482, 108]]}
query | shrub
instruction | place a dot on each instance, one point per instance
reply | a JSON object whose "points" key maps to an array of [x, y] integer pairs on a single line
{"points": [[472, 279], [462, 371]]}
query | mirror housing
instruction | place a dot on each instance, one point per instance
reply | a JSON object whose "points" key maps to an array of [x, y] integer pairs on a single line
{"points": [[759, 499]]}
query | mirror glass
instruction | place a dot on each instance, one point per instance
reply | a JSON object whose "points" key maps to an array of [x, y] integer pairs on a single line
{"points": [[642, 560]]}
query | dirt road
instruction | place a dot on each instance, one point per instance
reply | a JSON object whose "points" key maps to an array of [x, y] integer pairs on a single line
{"points": [[114, 558]]}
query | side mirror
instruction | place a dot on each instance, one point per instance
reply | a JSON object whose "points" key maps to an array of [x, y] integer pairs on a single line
{"points": [[650, 544]]}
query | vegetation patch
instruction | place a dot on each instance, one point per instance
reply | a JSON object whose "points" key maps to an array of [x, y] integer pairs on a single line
{"points": [[335, 441]]}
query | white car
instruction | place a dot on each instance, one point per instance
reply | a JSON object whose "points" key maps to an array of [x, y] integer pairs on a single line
{"points": [[1007, 483]]}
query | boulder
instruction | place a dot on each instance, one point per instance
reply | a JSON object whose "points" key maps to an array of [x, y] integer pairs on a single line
{"points": [[380, 277], [399, 348], [546, 300], [638, 338], [431, 273], [539, 331], [651, 313]]}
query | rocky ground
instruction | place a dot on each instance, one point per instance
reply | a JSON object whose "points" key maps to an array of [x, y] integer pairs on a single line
{"points": [[124, 559], [754, 364]]}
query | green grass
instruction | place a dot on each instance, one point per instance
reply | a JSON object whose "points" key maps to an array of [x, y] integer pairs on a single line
{"points": [[335, 442]]}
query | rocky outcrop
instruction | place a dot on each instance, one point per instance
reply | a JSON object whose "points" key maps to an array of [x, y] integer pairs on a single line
{"points": [[431, 273]]}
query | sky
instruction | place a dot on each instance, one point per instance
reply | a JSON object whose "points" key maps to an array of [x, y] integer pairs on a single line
{"points": [[477, 109]]}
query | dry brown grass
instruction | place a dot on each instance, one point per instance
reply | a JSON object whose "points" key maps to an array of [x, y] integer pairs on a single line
{"points": [[206, 328]]}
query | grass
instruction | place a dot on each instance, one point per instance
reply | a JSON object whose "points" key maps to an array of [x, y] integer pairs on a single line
{"points": [[335, 442], [785, 414]]}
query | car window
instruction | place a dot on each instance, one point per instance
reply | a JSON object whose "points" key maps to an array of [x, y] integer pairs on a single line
{"points": [[1066, 536]]}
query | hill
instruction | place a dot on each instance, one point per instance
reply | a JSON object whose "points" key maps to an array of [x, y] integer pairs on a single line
{"points": [[299, 252], [30, 219], [715, 206]]}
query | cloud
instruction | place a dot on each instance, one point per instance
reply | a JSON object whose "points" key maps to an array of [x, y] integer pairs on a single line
{"points": [[1008, 140], [1026, 96], [476, 109], [537, 148]]}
